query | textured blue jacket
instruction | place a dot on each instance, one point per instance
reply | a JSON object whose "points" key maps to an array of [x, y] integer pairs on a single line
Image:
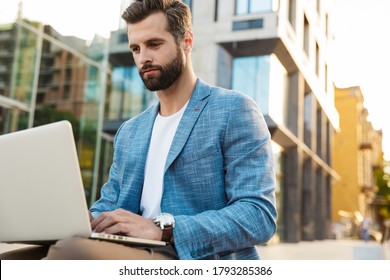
{"points": [[219, 180]]}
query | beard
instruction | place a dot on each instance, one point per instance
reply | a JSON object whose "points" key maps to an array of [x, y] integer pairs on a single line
{"points": [[168, 73]]}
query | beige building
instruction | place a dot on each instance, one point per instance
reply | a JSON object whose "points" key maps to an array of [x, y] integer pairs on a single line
{"points": [[357, 152]]}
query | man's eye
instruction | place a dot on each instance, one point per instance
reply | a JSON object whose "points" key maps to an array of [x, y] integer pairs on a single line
{"points": [[155, 44], [134, 50]]}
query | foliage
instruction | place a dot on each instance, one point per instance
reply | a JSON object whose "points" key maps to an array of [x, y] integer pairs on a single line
{"points": [[382, 192]]}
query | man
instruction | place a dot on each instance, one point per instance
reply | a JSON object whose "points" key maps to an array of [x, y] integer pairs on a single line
{"points": [[200, 161]]}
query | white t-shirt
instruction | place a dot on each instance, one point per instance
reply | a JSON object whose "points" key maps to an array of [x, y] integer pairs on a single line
{"points": [[164, 130]]}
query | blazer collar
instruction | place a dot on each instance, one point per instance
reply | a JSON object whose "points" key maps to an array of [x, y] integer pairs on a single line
{"points": [[194, 108], [201, 91]]}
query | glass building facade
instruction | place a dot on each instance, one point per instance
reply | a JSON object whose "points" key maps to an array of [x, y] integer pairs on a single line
{"points": [[129, 97], [264, 79], [43, 80], [244, 7]]}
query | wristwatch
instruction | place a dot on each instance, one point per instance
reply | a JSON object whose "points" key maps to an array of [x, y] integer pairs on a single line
{"points": [[166, 222]]}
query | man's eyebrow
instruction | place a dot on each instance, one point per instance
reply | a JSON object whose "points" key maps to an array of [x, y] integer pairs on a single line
{"points": [[132, 46], [151, 40]]}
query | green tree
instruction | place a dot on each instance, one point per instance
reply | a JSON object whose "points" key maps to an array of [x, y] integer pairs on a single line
{"points": [[382, 194]]}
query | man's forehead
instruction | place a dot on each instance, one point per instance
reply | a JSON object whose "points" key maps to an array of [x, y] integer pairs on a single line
{"points": [[153, 26]]}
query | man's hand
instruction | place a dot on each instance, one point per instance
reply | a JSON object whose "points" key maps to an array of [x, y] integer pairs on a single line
{"points": [[126, 223], [90, 217]]}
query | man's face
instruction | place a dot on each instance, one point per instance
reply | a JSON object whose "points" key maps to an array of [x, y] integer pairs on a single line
{"points": [[159, 59], [165, 75]]}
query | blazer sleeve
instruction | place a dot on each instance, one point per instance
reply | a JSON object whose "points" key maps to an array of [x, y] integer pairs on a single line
{"points": [[110, 191], [249, 217]]}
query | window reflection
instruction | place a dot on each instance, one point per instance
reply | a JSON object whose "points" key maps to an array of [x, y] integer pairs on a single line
{"points": [[129, 96], [251, 76], [244, 7], [264, 79], [66, 86]]}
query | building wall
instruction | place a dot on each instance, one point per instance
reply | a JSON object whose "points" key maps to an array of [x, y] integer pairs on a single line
{"points": [[357, 153], [349, 103]]}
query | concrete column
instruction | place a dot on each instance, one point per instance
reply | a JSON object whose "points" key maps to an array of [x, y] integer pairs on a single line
{"points": [[295, 100], [328, 207], [320, 206], [292, 195], [308, 201]]}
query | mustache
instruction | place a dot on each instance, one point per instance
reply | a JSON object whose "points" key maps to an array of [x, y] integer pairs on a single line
{"points": [[147, 67]]}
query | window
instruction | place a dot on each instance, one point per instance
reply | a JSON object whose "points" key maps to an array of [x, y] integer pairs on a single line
{"points": [[216, 11], [319, 132], [265, 80], [292, 11], [248, 24], [317, 66], [308, 119], [251, 76], [319, 6], [326, 78], [327, 25], [328, 143], [244, 7], [306, 36], [188, 3]]}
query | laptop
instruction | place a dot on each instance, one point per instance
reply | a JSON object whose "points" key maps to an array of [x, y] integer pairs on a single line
{"points": [[42, 197]]}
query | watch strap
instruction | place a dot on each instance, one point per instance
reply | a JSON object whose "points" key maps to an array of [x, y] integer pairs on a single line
{"points": [[167, 233]]}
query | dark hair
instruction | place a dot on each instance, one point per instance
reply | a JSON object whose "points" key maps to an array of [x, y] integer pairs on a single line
{"points": [[178, 14]]}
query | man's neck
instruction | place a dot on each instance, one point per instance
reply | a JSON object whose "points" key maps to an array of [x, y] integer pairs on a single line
{"points": [[176, 96]]}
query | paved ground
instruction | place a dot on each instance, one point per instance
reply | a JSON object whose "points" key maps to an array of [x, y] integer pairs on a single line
{"points": [[326, 250], [309, 250]]}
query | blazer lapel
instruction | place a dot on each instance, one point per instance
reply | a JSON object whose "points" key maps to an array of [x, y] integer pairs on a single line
{"points": [[191, 114], [141, 140]]}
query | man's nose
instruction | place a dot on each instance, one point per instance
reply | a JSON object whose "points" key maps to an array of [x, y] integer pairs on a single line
{"points": [[145, 57]]}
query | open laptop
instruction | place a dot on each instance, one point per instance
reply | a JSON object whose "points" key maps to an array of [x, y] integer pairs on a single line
{"points": [[42, 196]]}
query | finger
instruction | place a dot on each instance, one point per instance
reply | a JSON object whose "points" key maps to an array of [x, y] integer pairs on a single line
{"points": [[120, 229], [105, 220], [108, 219], [97, 221]]}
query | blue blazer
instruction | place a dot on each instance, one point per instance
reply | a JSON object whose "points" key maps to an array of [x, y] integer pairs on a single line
{"points": [[219, 180]]}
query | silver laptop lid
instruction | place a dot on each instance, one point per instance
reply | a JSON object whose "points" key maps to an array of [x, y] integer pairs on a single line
{"points": [[41, 191]]}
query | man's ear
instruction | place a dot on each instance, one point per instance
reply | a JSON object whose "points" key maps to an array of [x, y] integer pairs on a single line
{"points": [[188, 40]]}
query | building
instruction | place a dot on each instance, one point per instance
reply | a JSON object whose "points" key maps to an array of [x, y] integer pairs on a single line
{"points": [[276, 51], [46, 77], [357, 152]]}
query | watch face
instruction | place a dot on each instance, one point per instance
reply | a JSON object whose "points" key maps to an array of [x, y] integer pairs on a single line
{"points": [[165, 219]]}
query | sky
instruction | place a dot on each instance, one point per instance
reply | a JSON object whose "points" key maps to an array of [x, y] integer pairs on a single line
{"points": [[80, 18], [362, 56], [361, 41]]}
